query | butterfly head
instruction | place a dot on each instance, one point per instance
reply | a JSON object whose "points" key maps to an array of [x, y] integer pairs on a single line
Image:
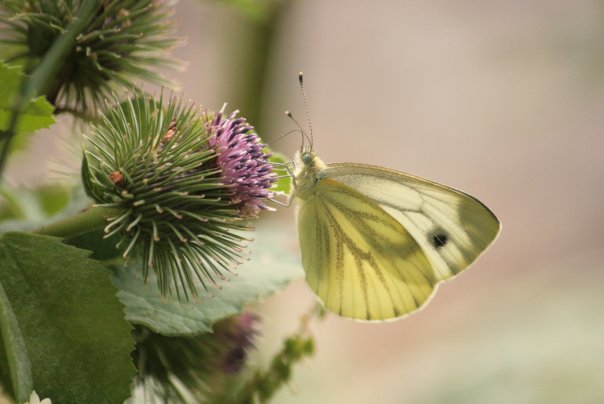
{"points": [[307, 171], [307, 157], [308, 166], [307, 160]]}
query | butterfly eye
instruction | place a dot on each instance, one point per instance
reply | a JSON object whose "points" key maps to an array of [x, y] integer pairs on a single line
{"points": [[306, 158]]}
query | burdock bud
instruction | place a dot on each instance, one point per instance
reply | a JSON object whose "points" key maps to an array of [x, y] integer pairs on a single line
{"points": [[123, 41], [201, 366], [185, 183]]}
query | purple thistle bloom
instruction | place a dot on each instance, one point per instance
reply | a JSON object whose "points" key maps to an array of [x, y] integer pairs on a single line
{"points": [[237, 335], [245, 166]]}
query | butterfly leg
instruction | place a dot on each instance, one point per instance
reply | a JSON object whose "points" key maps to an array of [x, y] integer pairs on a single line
{"points": [[289, 174]]}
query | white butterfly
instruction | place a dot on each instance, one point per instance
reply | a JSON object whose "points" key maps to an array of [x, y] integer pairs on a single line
{"points": [[376, 242]]}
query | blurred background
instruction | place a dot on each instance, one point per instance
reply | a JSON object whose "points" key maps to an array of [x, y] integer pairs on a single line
{"points": [[504, 100]]}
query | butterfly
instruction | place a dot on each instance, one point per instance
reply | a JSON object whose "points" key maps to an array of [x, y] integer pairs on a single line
{"points": [[375, 242]]}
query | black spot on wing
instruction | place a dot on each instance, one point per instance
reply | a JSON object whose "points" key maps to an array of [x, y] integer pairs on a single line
{"points": [[438, 239]]}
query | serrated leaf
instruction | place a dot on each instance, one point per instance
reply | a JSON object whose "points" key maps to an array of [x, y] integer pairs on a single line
{"points": [[77, 339], [36, 113], [274, 264]]}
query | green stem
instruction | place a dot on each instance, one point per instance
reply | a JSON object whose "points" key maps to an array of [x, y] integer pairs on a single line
{"points": [[42, 78], [87, 220], [255, 49]]}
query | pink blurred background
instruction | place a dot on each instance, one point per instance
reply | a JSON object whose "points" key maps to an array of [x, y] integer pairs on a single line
{"points": [[504, 100]]}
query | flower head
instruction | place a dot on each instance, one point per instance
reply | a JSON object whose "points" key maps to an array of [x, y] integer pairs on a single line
{"points": [[237, 335], [183, 185], [243, 162], [124, 42], [202, 365]]}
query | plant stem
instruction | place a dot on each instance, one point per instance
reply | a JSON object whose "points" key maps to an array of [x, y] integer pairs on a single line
{"points": [[255, 48], [90, 219], [44, 75]]}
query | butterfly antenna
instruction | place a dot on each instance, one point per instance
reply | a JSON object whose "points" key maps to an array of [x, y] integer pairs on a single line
{"points": [[304, 134], [301, 80], [287, 134]]}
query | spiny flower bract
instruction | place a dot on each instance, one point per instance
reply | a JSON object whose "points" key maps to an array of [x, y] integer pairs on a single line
{"points": [[176, 207], [125, 41]]}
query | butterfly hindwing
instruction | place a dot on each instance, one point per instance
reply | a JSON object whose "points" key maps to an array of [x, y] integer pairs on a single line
{"points": [[451, 227], [359, 260]]}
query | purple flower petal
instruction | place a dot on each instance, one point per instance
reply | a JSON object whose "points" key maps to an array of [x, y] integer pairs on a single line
{"points": [[245, 167]]}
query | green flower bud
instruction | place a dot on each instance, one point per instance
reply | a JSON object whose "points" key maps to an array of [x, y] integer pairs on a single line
{"points": [[125, 41]]}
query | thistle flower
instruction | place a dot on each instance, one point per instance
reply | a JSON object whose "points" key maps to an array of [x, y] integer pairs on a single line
{"points": [[125, 40], [237, 336], [244, 164], [182, 204], [193, 366]]}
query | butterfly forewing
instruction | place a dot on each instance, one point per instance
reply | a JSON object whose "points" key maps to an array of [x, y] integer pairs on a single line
{"points": [[451, 227], [359, 259]]}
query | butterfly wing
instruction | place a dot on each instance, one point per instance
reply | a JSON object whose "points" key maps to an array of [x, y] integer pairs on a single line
{"points": [[451, 227], [359, 260]]}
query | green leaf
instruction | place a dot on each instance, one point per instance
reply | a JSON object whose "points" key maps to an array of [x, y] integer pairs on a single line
{"points": [[36, 114], [284, 183], [77, 339], [102, 248], [274, 263], [13, 353]]}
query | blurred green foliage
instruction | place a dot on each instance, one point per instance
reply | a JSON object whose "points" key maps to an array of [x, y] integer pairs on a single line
{"points": [[64, 303]]}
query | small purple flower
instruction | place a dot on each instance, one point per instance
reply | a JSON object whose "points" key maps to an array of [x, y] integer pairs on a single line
{"points": [[237, 335], [244, 164]]}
